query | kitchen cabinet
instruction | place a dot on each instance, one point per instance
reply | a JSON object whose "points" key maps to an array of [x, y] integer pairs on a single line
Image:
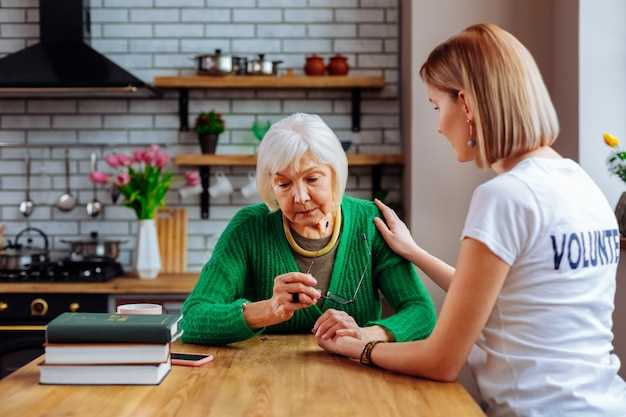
{"points": [[354, 83]]}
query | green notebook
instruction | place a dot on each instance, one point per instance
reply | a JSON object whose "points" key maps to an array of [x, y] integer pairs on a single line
{"points": [[112, 328]]}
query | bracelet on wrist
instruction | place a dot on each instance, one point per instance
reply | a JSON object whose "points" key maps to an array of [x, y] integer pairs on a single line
{"points": [[366, 354]]}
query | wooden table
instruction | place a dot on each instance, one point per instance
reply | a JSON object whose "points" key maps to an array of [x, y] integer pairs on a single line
{"points": [[264, 376]]}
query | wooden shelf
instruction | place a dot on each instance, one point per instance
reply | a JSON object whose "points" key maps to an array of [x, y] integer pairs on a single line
{"points": [[354, 83], [165, 283], [250, 160], [274, 82], [205, 162]]}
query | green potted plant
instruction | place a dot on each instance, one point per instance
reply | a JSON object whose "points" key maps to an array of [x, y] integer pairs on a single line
{"points": [[209, 126]]}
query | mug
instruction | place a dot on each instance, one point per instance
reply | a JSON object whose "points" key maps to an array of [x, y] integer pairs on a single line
{"points": [[189, 191], [222, 185], [140, 309], [249, 190]]}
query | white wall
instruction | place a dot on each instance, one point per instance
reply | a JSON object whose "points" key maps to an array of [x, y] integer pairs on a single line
{"points": [[440, 187], [602, 106], [602, 87]]}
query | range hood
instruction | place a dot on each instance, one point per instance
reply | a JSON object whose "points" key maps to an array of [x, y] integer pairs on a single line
{"points": [[62, 62]]}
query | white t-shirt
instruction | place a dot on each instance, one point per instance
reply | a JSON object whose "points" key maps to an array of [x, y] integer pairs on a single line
{"points": [[546, 349]]}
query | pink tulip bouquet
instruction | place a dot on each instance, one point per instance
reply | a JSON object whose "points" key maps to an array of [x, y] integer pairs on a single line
{"points": [[140, 178]]}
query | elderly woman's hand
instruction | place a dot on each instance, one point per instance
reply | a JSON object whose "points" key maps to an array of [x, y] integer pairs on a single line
{"points": [[289, 287], [343, 345], [395, 232], [336, 322]]}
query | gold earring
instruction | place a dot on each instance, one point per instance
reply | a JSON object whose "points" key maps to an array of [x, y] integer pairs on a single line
{"points": [[471, 142]]}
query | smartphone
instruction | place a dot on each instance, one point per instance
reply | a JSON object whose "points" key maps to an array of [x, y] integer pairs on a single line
{"points": [[189, 359]]}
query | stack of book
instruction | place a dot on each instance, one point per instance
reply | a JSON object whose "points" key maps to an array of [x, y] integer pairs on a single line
{"points": [[101, 348]]}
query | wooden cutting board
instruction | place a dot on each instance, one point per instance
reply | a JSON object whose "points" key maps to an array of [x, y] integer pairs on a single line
{"points": [[171, 226]]}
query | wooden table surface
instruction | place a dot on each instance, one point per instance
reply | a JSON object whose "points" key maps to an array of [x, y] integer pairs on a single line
{"points": [[264, 376], [167, 283]]}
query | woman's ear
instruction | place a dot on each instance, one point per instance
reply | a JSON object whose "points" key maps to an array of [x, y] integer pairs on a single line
{"points": [[466, 108]]}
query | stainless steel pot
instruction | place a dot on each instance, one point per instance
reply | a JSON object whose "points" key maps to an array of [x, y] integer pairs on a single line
{"points": [[261, 66], [94, 247], [15, 256], [214, 64]]}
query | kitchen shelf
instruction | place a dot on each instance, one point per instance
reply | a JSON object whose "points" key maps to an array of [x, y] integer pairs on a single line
{"points": [[249, 160], [355, 83], [204, 162]]}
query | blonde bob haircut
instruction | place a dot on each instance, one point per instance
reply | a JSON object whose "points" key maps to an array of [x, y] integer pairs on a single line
{"points": [[285, 144], [513, 113]]}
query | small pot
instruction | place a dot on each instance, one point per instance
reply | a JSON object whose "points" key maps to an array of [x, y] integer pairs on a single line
{"points": [[94, 248], [261, 66], [208, 143], [17, 257], [240, 65], [214, 64], [314, 65], [338, 65]]}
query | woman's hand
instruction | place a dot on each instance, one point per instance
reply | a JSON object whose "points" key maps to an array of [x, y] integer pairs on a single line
{"points": [[336, 322], [395, 232], [286, 286], [343, 345]]}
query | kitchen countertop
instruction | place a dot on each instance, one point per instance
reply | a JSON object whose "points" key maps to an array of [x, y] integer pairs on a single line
{"points": [[264, 376], [167, 283]]}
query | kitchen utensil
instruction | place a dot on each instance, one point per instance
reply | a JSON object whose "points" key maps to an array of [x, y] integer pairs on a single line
{"points": [[222, 185], [240, 65], [259, 128], [115, 193], [338, 65], [16, 256], [171, 226], [94, 207], [214, 64], [93, 247], [67, 201], [27, 206], [314, 65], [261, 66], [249, 190]]}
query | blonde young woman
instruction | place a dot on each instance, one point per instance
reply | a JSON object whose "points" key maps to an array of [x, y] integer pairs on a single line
{"points": [[534, 282]]}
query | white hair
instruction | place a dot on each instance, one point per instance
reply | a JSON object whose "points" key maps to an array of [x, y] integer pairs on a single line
{"points": [[287, 141]]}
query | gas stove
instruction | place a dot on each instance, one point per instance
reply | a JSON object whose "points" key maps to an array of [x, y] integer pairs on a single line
{"points": [[66, 270]]}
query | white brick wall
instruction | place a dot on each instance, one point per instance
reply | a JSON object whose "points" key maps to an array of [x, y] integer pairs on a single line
{"points": [[158, 37]]}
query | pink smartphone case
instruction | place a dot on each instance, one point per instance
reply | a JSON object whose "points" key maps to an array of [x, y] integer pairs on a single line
{"points": [[184, 362]]}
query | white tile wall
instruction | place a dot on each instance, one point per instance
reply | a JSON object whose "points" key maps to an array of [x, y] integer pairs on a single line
{"points": [[158, 37]]}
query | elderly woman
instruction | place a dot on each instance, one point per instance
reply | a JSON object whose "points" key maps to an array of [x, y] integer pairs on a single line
{"points": [[308, 260]]}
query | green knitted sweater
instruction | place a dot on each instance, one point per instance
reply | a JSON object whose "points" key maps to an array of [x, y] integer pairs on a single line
{"points": [[253, 250]]}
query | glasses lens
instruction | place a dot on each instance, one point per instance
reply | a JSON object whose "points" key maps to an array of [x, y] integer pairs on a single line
{"points": [[337, 299]]}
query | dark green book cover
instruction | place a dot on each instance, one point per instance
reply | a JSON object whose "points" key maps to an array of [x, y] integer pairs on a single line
{"points": [[112, 328]]}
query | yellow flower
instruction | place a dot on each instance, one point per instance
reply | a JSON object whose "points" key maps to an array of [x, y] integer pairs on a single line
{"points": [[610, 140]]}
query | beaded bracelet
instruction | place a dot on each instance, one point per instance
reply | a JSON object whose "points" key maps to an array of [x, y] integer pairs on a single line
{"points": [[366, 354]]}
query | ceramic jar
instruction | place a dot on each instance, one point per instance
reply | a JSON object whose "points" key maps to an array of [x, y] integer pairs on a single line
{"points": [[338, 65], [314, 65]]}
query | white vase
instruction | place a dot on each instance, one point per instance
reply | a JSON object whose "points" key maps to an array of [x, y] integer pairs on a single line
{"points": [[147, 257]]}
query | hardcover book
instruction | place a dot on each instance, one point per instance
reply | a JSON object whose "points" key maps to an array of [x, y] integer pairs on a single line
{"points": [[104, 374], [105, 353], [112, 328]]}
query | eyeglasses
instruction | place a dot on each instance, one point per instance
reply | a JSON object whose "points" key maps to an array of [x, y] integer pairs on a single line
{"points": [[338, 299]]}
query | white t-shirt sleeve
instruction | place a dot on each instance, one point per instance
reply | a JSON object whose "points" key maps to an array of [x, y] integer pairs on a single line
{"points": [[504, 216]]}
